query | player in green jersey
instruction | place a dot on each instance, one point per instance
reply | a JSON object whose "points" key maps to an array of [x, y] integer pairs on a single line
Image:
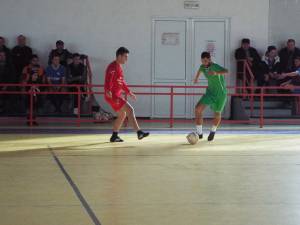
{"points": [[215, 96]]}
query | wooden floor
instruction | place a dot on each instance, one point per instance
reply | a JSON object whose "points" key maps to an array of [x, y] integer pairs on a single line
{"points": [[243, 178]]}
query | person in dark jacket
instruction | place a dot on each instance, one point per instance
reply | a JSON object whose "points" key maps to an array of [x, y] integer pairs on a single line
{"points": [[270, 67], [4, 49], [64, 55], [250, 54], [7, 75], [21, 55], [76, 74], [287, 56]]}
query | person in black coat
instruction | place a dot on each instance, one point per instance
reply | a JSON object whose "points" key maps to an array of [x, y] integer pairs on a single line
{"points": [[4, 49], [270, 67], [7, 75], [77, 74], [250, 54], [287, 56], [21, 55], [64, 55]]}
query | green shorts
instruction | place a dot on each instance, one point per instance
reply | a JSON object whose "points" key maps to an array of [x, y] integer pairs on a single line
{"points": [[215, 102]]}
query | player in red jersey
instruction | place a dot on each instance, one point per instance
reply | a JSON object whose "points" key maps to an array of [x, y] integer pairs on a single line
{"points": [[114, 88]]}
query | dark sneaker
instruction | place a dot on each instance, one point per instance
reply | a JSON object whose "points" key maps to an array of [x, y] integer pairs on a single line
{"points": [[142, 134], [116, 139], [211, 136]]}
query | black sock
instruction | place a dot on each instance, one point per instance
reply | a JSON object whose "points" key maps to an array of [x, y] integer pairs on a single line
{"points": [[115, 134], [139, 132]]}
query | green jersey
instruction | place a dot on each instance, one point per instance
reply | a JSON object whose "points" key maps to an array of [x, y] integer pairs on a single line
{"points": [[216, 83], [216, 93]]}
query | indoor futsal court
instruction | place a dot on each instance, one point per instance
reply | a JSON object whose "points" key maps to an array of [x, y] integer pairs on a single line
{"points": [[182, 112]]}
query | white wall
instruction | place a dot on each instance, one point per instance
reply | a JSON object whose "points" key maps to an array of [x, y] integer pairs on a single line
{"points": [[284, 21], [98, 27]]}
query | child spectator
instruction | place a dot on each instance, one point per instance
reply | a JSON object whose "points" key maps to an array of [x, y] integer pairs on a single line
{"points": [[55, 74]]}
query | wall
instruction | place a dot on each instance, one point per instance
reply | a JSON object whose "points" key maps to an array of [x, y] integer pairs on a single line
{"points": [[98, 27], [284, 21]]}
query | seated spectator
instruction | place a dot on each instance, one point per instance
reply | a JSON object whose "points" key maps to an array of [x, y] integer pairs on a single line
{"points": [[64, 54], [292, 83], [4, 49], [294, 77], [7, 75], [250, 54], [55, 74], [76, 74], [21, 55], [33, 74], [287, 56], [271, 67]]}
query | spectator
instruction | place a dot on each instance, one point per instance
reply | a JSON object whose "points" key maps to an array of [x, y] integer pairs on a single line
{"points": [[7, 75], [271, 67], [294, 77], [292, 82], [76, 74], [287, 56], [64, 54], [248, 53], [33, 74], [55, 74], [5, 49], [21, 55]]}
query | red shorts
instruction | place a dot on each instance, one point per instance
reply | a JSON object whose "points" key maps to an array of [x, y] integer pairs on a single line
{"points": [[116, 103]]}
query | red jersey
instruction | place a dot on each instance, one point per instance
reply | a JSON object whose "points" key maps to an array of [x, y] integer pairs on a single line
{"points": [[115, 83], [114, 80]]}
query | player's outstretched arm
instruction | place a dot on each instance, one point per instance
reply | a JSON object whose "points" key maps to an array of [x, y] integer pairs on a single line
{"points": [[196, 79]]}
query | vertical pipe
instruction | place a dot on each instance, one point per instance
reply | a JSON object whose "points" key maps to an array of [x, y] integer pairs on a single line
{"points": [[172, 107]]}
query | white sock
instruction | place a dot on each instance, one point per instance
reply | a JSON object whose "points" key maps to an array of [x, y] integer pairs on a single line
{"points": [[214, 128], [199, 129]]}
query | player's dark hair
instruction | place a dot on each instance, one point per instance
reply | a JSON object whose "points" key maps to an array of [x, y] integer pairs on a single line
{"points": [[205, 55], [122, 51]]}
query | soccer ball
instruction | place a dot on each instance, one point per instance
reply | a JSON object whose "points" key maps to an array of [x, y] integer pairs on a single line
{"points": [[192, 138]]}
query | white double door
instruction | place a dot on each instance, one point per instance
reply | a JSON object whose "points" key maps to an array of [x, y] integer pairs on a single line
{"points": [[177, 45]]}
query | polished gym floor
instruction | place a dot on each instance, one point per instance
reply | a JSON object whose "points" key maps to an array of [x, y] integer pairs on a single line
{"points": [[60, 176]]}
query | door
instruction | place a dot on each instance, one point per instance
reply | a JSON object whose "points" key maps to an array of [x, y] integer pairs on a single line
{"points": [[170, 63], [177, 45]]}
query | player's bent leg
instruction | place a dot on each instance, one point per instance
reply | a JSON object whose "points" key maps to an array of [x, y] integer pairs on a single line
{"points": [[199, 109], [131, 116], [132, 120]]}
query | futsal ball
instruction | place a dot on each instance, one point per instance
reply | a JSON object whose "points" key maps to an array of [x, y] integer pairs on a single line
{"points": [[192, 138]]}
